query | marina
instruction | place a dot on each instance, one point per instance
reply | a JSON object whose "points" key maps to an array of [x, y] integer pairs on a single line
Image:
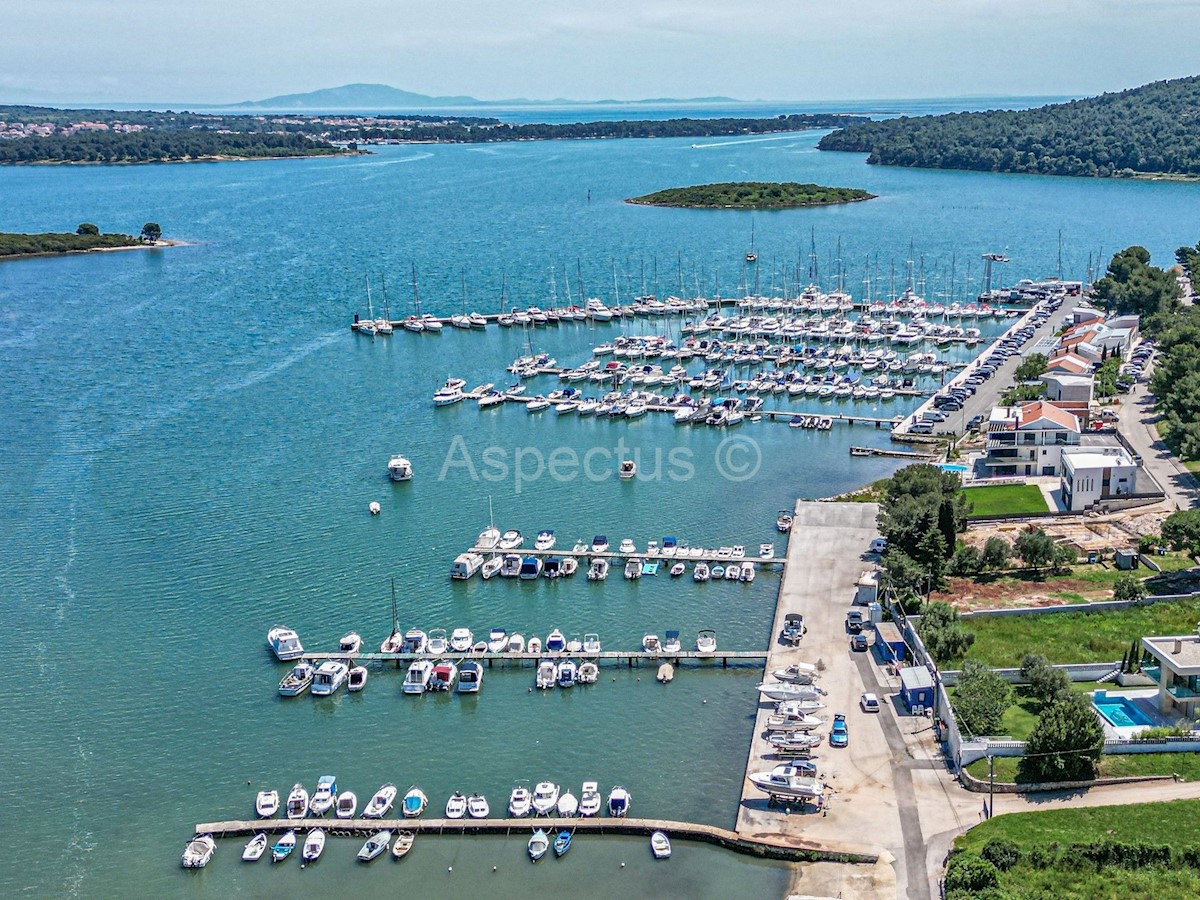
{"points": [[630, 657]]}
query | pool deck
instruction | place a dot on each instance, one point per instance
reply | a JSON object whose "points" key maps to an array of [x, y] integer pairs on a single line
{"points": [[1145, 701]]}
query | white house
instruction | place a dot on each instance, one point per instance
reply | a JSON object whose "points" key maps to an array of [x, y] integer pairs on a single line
{"points": [[1071, 388], [1029, 439], [1096, 474]]}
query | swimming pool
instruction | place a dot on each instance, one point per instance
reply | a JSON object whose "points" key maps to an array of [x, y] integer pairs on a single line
{"points": [[1121, 712], [954, 467]]}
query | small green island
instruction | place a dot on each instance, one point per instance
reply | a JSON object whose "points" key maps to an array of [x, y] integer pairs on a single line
{"points": [[752, 195], [85, 238]]}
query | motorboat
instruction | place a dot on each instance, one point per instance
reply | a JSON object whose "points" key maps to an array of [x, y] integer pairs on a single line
{"points": [[555, 642], [590, 800], [255, 847], [415, 641], [350, 643], [618, 802], [416, 681], [794, 742], [447, 396], [547, 675], [567, 672], [314, 845], [633, 569], [297, 802], [651, 644], [718, 572], [784, 520], [568, 567], [531, 568], [627, 547], [491, 567], [562, 843], [415, 802], [598, 570], [477, 807], [793, 721], [574, 644], [537, 404], [516, 643], [284, 643], [589, 673], [381, 803], [266, 804], [375, 845], [545, 798], [599, 544], [678, 569], [660, 845], [497, 640], [580, 548], [706, 641], [404, 843], [671, 643], [539, 843], [461, 640], [520, 801], [465, 565], [733, 572], [670, 546], [198, 851], [445, 674], [347, 805], [356, 680], [700, 573], [510, 565], [399, 468], [470, 677], [766, 551], [283, 847], [330, 676], [786, 690], [567, 805], [789, 781], [666, 673], [545, 541], [489, 538], [511, 540], [798, 707], [438, 643], [456, 806], [324, 796], [747, 573], [797, 673], [627, 470], [591, 644], [534, 645]]}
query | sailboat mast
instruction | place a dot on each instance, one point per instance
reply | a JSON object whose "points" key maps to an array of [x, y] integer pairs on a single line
{"points": [[387, 307], [416, 293]]}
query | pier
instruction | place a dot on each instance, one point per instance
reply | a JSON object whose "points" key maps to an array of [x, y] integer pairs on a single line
{"points": [[765, 847], [709, 556], [630, 657]]}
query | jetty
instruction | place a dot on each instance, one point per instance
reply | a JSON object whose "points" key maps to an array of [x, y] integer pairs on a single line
{"points": [[708, 556], [630, 657], [765, 847]]}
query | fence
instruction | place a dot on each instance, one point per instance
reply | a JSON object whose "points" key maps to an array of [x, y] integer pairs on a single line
{"points": [[982, 748], [1075, 672], [1097, 607]]}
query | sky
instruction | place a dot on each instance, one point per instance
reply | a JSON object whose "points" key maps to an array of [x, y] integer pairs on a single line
{"points": [[217, 51]]}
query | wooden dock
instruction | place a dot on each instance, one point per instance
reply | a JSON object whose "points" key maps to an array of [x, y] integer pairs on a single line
{"points": [[708, 557], [766, 847], [896, 454], [630, 657]]}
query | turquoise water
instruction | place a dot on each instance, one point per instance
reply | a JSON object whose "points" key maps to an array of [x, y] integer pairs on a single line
{"points": [[1121, 712], [190, 438]]}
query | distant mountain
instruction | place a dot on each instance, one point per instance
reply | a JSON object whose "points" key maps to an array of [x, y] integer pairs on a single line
{"points": [[383, 96]]}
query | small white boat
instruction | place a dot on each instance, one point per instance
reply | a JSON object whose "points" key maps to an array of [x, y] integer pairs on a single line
{"points": [[491, 567], [591, 644], [590, 800], [497, 640], [796, 721], [589, 673], [799, 673], [555, 642], [516, 643], [545, 798], [766, 551], [651, 644], [393, 643], [470, 677], [747, 573], [511, 540], [786, 690], [283, 847], [415, 802], [477, 807], [404, 842], [545, 540], [733, 572], [380, 803], [539, 843], [198, 851], [671, 642], [568, 805], [660, 845], [255, 847], [297, 681], [510, 565], [793, 782], [706, 641], [266, 804], [700, 573], [566, 674], [678, 569], [598, 570], [415, 641], [416, 680], [466, 565], [534, 645], [347, 805], [324, 796], [627, 547], [314, 845], [374, 508], [599, 544], [456, 806], [489, 538], [520, 801], [627, 470], [330, 676], [438, 643], [297, 802], [445, 674], [574, 644], [357, 679], [547, 674], [633, 569], [666, 673], [350, 643], [618, 802], [461, 640], [399, 468], [284, 643], [375, 845]]}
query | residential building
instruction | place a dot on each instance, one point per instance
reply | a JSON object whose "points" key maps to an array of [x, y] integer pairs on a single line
{"points": [[1068, 363], [1062, 386], [1176, 671], [1029, 439], [1094, 474]]}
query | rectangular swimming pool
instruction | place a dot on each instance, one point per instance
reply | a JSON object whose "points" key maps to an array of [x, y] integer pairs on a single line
{"points": [[1121, 712]]}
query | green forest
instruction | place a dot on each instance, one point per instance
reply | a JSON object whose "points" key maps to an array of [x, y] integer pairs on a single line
{"points": [[751, 195], [165, 145], [1148, 130], [34, 244]]}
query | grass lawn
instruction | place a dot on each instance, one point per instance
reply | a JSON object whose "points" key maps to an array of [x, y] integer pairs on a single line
{"points": [[1019, 719], [1006, 499], [1165, 824], [1112, 765], [1074, 637]]}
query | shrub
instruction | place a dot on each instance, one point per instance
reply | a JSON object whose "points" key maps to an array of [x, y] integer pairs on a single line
{"points": [[1065, 743], [970, 873], [1182, 529], [967, 560], [981, 698], [1129, 587], [942, 632], [996, 553], [1041, 857], [1001, 853], [1045, 682]]}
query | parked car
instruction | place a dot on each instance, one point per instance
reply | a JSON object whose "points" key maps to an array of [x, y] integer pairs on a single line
{"points": [[854, 621], [869, 703], [858, 643], [879, 545], [839, 734]]}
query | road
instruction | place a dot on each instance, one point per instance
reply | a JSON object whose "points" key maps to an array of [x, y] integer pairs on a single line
{"points": [[1138, 418]]}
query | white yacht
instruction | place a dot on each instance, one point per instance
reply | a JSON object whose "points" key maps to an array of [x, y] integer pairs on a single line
{"points": [[447, 395], [284, 643], [627, 547], [416, 681], [799, 673], [531, 568], [511, 540], [477, 807], [589, 673], [324, 796], [786, 690], [198, 851], [545, 540], [556, 642], [470, 677], [706, 641], [590, 800], [547, 673], [789, 781], [510, 566], [497, 640], [399, 468], [566, 673], [516, 643], [437, 642], [618, 802], [415, 641], [491, 567], [298, 680], [456, 806], [599, 544], [598, 570], [520, 802], [330, 676], [266, 804], [545, 798], [465, 565], [350, 644], [461, 640], [346, 806], [381, 803]]}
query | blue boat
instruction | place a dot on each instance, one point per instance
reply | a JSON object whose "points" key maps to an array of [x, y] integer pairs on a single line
{"points": [[649, 568], [283, 847], [562, 843], [531, 568]]}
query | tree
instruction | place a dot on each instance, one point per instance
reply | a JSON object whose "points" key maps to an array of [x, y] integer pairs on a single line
{"points": [[1129, 587], [931, 553], [1033, 366], [1182, 529], [87, 228], [1034, 547], [1065, 744], [151, 233], [1063, 558], [981, 697], [967, 560], [996, 553], [942, 632], [1046, 683], [904, 572], [919, 498]]}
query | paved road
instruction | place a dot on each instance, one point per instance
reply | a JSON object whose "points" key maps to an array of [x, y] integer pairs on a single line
{"points": [[1138, 418]]}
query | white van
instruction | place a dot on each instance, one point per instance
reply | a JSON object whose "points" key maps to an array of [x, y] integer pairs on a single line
{"points": [[921, 428], [879, 545]]}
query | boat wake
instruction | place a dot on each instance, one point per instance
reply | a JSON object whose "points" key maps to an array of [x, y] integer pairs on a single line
{"points": [[281, 365], [757, 140]]}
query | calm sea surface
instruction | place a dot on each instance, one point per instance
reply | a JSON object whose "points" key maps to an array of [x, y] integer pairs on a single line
{"points": [[189, 439]]}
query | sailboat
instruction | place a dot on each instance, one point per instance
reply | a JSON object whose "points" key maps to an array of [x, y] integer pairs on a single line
{"points": [[384, 323], [394, 642], [751, 254], [462, 320]]}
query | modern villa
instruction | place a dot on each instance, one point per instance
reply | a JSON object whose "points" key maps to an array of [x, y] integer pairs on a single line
{"points": [[1176, 671]]}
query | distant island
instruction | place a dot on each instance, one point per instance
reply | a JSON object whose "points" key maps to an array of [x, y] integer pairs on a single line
{"points": [[1148, 131], [752, 195], [85, 238]]}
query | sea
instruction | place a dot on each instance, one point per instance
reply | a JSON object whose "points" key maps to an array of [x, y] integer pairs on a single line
{"points": [[190, 437]]}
